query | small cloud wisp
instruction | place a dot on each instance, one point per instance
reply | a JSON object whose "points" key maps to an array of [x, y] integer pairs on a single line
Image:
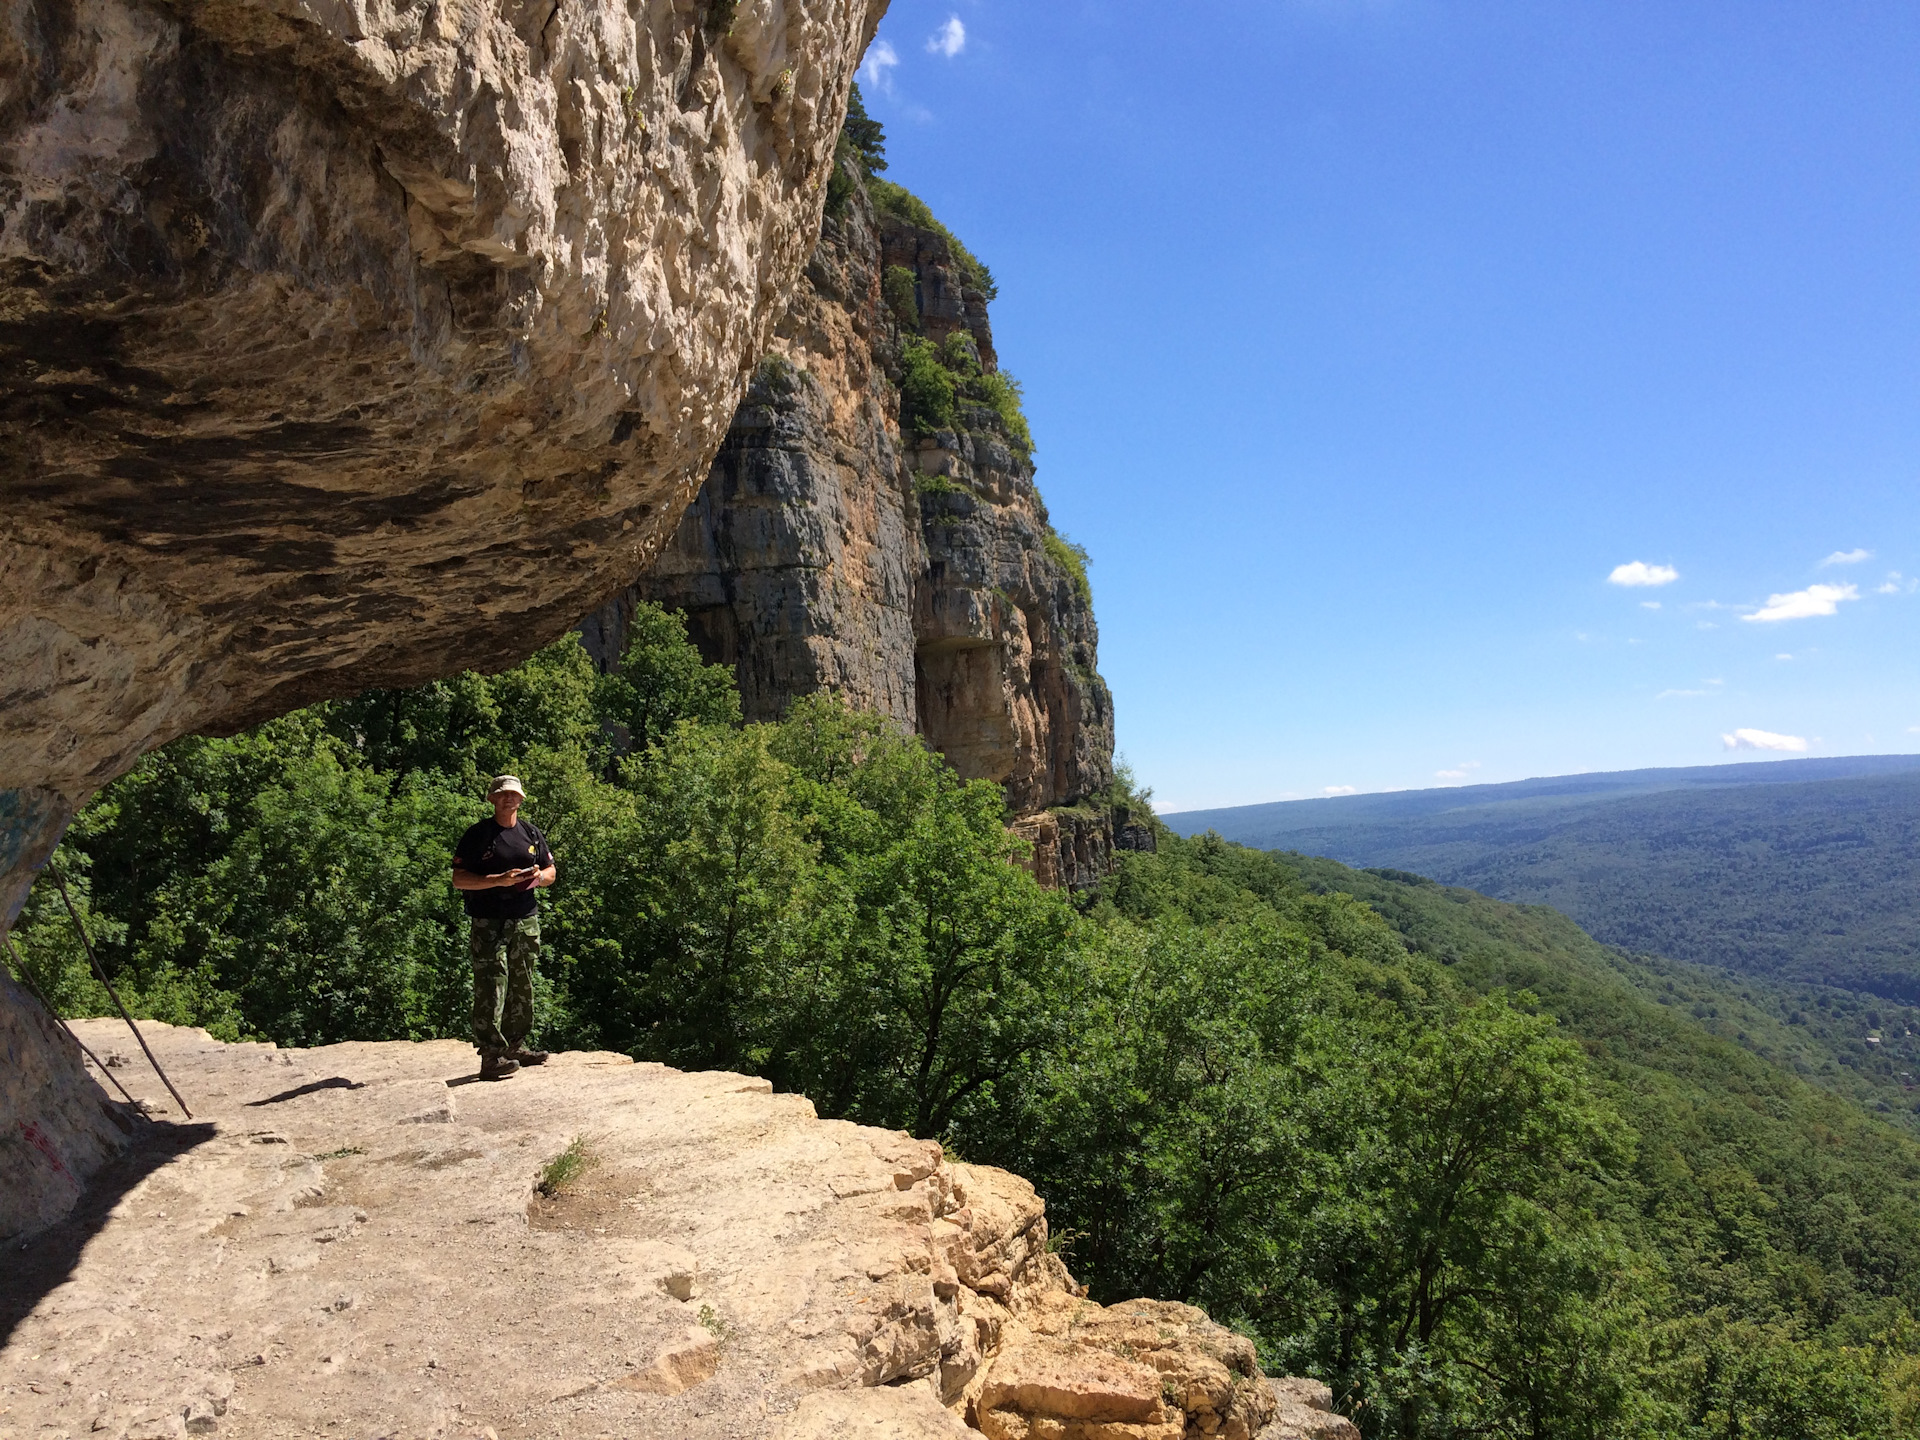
{"points": [[949, 40], [1804, 604], [1763, 740], [1638, 572], [877, 69], [1847, 557], [1336, 790]]}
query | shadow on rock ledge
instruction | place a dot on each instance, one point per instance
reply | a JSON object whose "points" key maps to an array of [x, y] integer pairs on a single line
{"points": [[369, 1252]]}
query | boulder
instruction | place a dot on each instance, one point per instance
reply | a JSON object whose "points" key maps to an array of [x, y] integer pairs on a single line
{"points": [[1303, 1410]]}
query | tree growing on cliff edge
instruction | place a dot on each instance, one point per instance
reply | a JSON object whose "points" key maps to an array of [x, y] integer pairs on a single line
{"points": [[864, 135]]}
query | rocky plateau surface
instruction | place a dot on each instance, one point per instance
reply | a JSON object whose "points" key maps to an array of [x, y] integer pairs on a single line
{"points": [[354, 342], [350, 1241]]}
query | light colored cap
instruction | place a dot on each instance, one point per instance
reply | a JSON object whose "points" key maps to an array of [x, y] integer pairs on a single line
{"points": [[502, 783]]}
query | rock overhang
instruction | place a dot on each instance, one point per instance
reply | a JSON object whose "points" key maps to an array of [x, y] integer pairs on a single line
{"points": [[348, 344]]}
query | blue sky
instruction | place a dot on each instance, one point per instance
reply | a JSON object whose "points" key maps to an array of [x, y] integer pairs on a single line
{"points": [[1365, 340]]}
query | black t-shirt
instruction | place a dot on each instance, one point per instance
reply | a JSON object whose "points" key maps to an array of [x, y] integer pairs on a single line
{"points": [[487, 849]]}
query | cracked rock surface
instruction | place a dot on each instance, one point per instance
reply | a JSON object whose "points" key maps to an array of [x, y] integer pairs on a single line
{"points": [[349, 1240], [355, 342]]}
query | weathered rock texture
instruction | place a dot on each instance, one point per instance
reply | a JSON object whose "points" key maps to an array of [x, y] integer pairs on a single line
{"points": [[353, 342], [1303, 1410], [909, 574], [354, 1244], [56, 1126]]}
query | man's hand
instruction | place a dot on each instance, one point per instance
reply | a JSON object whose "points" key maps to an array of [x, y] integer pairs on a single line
{"points": [[522, 879]]}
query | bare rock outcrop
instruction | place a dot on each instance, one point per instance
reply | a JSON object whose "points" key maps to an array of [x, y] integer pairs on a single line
{"points": [[353, 1241], [798, 562], [57, 1128], [1303, 1410], [915, 574], [353, 342]]}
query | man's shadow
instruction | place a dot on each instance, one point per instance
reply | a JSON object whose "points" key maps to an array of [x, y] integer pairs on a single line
{"points": [[33, 1267]]}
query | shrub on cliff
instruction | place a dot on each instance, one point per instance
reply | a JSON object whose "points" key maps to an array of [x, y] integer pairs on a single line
{"points": [[898, 290], [927, 390], [1071, 558], [901, 203]]}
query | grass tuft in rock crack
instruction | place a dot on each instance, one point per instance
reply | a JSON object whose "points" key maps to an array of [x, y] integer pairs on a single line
{"points": [[568, 1166]]}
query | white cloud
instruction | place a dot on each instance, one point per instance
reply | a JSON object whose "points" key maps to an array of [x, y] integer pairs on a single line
{"points": [[1804, 604], [1783, 655], [1896, 584], [1649, 604], [1706, 689], [949, 40], [1847, 557], [1763, 740], [1341, 790], [877, 69], [1638, 572], [1459, 772]]}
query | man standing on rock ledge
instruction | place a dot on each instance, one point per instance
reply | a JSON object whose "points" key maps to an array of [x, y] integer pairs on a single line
{"points": [[497, 866]]}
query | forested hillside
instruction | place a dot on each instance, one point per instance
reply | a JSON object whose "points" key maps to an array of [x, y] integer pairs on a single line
{"points": [[1807, 881], [1447, 1154]]}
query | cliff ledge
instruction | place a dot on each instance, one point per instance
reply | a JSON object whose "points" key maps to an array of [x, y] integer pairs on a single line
{"points": [[351, 1241]]}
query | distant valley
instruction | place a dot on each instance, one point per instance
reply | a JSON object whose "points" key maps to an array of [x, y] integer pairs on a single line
{"points": [[1798, 871]]}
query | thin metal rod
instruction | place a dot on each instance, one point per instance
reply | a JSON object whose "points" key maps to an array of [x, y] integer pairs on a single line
{"points": [[81, 931], [20, 965]]}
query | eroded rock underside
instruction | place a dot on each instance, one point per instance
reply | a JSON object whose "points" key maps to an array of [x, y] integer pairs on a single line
{"points": [[353, 1243], [353, 342], [910, 574]]}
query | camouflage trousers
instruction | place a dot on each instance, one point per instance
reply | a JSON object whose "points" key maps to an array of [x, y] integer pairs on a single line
{"points": [[504, 952]]}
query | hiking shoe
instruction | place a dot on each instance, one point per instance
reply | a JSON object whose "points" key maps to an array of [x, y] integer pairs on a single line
{"points": [[521, 1055], [497, 1067]]}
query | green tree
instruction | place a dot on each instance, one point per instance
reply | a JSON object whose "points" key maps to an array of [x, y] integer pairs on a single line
{"points": [[722, 894], [927, 392], [662, 682]]}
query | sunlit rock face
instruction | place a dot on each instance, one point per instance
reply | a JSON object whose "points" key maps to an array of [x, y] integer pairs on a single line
{"points": [[911, 573], [353, 342]]}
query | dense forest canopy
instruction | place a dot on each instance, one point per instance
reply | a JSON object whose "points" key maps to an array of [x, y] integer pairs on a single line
{"points": [[1810, 882], [1449, 1155]]}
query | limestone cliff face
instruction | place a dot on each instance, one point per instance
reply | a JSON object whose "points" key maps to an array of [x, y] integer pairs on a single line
{"points": [[909, 572], [799, 560], [346, 344]]}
